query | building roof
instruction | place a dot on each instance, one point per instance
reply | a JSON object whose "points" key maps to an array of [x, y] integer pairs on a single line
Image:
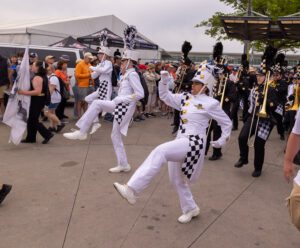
{"points": [[63, 28]]}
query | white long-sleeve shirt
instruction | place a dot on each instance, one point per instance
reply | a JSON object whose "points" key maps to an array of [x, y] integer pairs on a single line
{"points": [[130, 91], [197, 112]]}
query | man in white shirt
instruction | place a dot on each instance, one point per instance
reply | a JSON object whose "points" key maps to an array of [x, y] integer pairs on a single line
{"points": [[293, 146]]}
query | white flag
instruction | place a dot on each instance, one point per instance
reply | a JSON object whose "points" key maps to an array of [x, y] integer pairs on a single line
{"points": [[17, 110]]}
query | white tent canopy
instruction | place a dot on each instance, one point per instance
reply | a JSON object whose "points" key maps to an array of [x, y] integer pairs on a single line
{"points": [[46, 33]]}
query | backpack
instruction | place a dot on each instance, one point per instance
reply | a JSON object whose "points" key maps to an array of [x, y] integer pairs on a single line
{"points": [[114, 77], [145, 88], [63, 88], [46, 91]]}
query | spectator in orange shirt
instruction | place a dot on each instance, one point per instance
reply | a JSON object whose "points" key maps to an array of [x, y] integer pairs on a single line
{"points": [[84, 82]]}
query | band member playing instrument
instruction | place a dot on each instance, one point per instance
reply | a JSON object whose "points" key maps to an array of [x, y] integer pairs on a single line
{"points": [[225, 92], [281, 87], [259, 124], [185, 154], [183, 81], [293, 101]]}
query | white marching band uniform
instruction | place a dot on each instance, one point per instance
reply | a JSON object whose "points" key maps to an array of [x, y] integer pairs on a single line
{"points": [[185, 154], [103, 71], [123, 107]]}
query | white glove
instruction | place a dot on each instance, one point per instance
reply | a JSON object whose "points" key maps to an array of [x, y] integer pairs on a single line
{"points": [[93, 68], [218, 143], [164, 76]]}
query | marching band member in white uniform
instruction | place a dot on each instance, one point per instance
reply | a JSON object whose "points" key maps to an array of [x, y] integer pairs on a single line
{"points": [[185, 154], [103, 71], [123, 107]]}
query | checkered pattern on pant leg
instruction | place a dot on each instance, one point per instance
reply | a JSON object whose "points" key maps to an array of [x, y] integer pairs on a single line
{"points": [[102, 90], [120, 111], [193, 155], [264, 128], [279, 109]]}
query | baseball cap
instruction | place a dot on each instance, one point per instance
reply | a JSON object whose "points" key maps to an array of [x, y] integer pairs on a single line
{"points": [[89, 55]]}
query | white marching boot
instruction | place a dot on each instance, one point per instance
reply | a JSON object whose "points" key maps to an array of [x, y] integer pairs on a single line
{"points": [[119, 169], [95, 127], [126, 192], [187, 217], [76, 135]]}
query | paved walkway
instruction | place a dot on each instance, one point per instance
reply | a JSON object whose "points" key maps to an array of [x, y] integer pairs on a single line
{"points": [[63, 197]]}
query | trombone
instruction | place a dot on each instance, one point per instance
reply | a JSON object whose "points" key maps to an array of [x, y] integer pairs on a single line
{"points": [[222, 97], [262, 112]]}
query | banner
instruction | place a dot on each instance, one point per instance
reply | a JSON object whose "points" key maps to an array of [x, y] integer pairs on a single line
{"points": [[17, 110]]}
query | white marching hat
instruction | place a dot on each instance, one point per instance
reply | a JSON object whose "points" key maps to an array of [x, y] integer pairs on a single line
{"points": [[206, 75], [104, 44], [130, 33]]}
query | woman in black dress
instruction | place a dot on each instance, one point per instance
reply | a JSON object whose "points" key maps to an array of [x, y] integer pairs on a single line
{"points": [[38, 90]]}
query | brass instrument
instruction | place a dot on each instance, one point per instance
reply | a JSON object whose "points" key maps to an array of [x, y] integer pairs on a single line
{"points": [[262, 113], [224, 89], [181, 75], [221, 91], [295, 105]]}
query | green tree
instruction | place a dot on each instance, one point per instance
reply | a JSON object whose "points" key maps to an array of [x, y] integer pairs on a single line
{"points": [[271, 8]]}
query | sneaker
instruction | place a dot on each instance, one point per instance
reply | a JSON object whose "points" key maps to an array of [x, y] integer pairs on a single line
{"points": [[126, 192], [45, 141], [52, 129], [119, 169], [60, 127], [76, 135], [4, 192], [95, 127], [187, 217]]}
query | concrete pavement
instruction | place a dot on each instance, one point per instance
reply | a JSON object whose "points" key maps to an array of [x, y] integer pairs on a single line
{"points": [[63, 197]]}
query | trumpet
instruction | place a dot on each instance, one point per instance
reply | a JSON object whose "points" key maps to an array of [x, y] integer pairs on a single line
{"points": [[262, 112]]}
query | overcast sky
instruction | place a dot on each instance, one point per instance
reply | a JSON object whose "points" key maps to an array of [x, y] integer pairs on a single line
{"points": [[166, 22]]}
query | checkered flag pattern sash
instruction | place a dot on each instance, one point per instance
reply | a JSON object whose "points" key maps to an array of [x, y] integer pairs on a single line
{"points": [[120, 111], [102, 90], [193, 155], [264, 128], [279, 109], [183, 100]]}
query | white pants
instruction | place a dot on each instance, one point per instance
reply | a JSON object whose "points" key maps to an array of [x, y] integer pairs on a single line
{"points": [[89, 99], [85, 122], [174, 152]]}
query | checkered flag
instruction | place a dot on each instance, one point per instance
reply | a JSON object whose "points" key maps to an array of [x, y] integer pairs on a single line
{"points": [[120, 111], [193, 155], [102, 90]]}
